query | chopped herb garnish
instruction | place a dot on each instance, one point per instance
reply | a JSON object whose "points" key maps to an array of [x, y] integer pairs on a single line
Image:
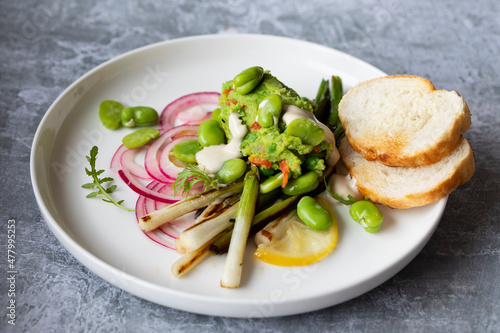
{"points": [[191, 175]]}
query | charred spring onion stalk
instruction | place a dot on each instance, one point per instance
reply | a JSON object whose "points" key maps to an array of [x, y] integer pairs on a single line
{"points": [[221, 244], [231, 276], [199, 234], [216, 218], [159, 217]]}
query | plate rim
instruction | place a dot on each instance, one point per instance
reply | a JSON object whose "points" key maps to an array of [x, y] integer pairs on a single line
{"points": [[106, 270]]}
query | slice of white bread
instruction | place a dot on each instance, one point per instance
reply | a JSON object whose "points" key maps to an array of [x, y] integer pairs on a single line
{"points": [[402, 120], [406, 187]]}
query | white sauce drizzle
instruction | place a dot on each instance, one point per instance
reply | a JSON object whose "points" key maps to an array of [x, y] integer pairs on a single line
{"points": [[344, 185], [212, 158], [293, 112]]}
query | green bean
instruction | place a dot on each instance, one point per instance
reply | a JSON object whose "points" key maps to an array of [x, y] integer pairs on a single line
{"points": [[367, 214], [139, 116], [307, 131], [303, 184], [232, 170], [185, 151], [269, 110], [248, 79], [140, 137], [210, 133], [271, 183], [313, 214], [109, 112]]}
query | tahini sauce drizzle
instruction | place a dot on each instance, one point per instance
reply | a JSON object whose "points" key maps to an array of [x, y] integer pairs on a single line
{"points": [[292, 112], [212, 158]]}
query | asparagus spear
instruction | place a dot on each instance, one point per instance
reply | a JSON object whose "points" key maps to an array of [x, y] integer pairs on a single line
{"points": [[231, 275], [155, 219], [336, 92], [322, 101]]}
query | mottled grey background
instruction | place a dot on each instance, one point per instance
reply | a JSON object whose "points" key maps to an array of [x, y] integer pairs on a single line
{"points": [[453, 285]]}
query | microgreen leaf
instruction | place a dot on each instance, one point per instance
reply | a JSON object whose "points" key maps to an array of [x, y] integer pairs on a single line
{"points": [[98, 182], [191, 175]]}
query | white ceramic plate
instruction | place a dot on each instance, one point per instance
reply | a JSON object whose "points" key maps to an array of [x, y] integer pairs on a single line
{"points": [[108, 241]]}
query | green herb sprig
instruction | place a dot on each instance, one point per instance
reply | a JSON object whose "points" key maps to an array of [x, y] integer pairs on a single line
{"points": [[97, 184], [191, 175]]}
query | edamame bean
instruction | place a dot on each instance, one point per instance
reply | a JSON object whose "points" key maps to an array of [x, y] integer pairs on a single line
{"points": [[303, 184], [109, 112], [313, 214], [306, 130], [210, 133], [271, 183], [367, 214], [232, 170], [248, 79], [140, 137], [185, 151], [139, 116], [269, 109]]}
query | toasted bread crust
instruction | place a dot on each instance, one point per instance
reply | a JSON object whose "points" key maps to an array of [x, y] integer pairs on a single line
{"points": [[391, 150], [461, 173]]}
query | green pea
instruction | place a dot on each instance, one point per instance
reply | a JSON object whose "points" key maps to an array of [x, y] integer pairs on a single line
{"points": [[306, 130], [232, 170], [313, 214], [140, 137], [215, 114], [303, 184], [314, 163], [269, 109], [271, 183], [109, 112], [248, 79], [185, 151], [367, 214], [139, 116], [266, 172], [210, 133]]}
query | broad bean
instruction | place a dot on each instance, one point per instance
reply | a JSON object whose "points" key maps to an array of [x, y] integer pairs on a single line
{"points": [[269, 109], [140, 137], [307, 131], [303, 184], [109, 112], [248, 79], [185, 151], [210, 133], [367, 214], [139, 116], [271, 183], [232, 170], [313, 214]]}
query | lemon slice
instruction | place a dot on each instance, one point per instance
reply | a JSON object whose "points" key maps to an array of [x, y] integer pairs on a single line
{"points": [[287, 241]]}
